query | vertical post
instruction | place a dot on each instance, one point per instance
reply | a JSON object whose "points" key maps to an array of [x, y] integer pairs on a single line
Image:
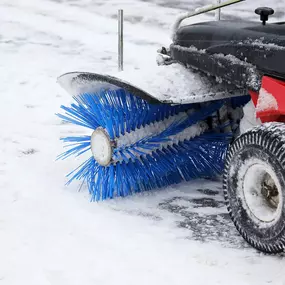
{"points": [[218, 11], [120, 40]]}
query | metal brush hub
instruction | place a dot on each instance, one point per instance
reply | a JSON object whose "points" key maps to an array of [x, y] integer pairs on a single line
{"points": [[101, 147]]}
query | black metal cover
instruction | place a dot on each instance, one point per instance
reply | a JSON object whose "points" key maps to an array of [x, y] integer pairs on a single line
{"points": [[255, 45]]}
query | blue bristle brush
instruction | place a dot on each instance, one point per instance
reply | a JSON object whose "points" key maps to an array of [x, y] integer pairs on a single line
{"points": [[136, 146]]}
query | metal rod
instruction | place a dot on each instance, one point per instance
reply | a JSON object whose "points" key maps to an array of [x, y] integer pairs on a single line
{"points": [[199, 11], [218, 11], [120, 40]]}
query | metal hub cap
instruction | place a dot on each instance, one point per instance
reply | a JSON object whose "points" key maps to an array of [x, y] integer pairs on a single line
{"points": [[262, 192], [101, 147]]}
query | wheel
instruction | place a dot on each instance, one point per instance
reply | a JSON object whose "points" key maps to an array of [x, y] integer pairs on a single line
{"points": [[254, 186]]}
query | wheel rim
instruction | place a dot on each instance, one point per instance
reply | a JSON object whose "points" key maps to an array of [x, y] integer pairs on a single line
{"points": [[260, 191]]}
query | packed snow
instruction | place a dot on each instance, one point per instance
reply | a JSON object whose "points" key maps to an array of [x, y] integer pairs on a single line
{"points": [[51, 233], [249, 119], [266, 101], [157, 128]]}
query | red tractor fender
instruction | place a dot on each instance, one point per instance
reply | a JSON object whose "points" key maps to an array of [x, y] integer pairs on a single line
{"points": [[270, 100]]}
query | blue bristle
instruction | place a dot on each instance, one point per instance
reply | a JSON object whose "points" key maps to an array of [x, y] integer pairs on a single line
{"points": [[79, 146], [141, 166]]}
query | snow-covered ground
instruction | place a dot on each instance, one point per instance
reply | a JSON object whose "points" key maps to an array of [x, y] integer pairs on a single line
{"points": [[52, 234]]}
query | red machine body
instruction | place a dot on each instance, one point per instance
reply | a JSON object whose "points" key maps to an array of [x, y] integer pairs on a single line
{"points": [[275, 111]]}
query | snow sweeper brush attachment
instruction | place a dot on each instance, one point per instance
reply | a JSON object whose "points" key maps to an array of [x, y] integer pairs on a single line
{"points": [[136, 144], [149, 129]]}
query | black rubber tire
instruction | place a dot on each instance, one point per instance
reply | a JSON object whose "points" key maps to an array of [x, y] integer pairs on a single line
{"points": [[266, 143]]}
